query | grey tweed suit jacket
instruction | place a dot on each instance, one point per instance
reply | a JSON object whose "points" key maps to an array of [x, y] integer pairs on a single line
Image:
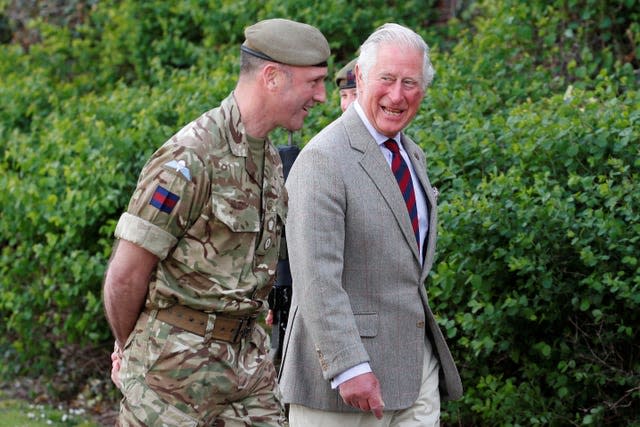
{"points": [[358, 283]]}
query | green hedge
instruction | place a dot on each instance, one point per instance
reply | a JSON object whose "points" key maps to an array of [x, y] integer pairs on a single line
{"points": [[537, 283], [538, 272], [531, 130]]}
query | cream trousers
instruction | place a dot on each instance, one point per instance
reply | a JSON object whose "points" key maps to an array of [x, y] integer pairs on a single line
{"points": [[424, 412]]}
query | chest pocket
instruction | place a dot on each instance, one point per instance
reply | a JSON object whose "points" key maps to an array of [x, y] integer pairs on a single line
{"points": [[221, 238], [234, 226], [239, 214]]}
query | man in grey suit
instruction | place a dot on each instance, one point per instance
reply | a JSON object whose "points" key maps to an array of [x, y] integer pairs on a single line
{"points": [[362, 344]]}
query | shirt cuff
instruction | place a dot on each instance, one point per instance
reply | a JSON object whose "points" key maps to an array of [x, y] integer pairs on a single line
{"points": [[360, 369], [145, 234]]}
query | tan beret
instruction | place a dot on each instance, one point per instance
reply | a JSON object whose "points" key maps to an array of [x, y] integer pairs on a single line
{"points": [[346, 77], [286, 42]]}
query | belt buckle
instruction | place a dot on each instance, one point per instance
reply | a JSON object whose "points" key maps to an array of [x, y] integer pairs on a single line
{"points": [[244, 329]]}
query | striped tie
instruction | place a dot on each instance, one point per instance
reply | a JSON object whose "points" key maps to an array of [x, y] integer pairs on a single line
{"points": [[403, 176]]}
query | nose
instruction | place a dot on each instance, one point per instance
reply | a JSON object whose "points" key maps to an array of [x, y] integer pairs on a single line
{"points": [[395, 92], [321, 94]]}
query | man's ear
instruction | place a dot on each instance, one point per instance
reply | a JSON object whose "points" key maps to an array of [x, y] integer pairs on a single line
{"points": [[359, 77], [271, 77]]}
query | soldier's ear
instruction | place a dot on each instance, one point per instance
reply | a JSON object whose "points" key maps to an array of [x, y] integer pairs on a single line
{"points": [[272, 76]]}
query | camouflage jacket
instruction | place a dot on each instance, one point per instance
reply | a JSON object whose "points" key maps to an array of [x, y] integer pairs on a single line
{"points": [[199, 207]]}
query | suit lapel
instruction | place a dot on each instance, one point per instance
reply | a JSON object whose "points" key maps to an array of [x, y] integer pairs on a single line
{"points": [[376, 167], [415, 154]]}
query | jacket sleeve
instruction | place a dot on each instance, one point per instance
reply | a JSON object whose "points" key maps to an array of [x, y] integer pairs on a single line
{"points": [[315, 238]]}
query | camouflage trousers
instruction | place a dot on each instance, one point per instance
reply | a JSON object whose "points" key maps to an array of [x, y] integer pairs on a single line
{"points": [[170, 377]]}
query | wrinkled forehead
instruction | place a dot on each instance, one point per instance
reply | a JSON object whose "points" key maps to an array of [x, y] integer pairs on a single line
{"points": [[400, 61]]}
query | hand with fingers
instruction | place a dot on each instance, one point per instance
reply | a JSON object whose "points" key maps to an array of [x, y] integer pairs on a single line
{"points": [[363, 392], [116, 358]]}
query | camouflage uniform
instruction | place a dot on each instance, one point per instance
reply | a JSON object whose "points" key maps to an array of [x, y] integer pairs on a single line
{"points": [[213, 213]]}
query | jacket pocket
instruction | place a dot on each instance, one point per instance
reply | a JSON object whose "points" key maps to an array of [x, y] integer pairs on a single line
{"points": [[367, 324]]}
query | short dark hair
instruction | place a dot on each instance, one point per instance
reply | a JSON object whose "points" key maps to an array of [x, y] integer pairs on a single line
{"points": [[250, 63]]}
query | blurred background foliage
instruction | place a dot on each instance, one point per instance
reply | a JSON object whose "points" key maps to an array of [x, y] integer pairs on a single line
{"points": [[531, 130]]}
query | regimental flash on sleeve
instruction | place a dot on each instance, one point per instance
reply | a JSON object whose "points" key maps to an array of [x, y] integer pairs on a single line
{"points": [[164, 199]]}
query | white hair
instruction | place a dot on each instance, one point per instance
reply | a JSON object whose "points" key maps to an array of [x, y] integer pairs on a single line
{"points": [[400, 36]]}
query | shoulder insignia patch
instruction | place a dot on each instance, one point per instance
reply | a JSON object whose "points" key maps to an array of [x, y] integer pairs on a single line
{"points": [[180, 166], [164, 200]]}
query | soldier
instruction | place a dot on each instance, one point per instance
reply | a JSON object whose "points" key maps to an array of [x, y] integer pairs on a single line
{"points": [[198, 245], [346, 82]]}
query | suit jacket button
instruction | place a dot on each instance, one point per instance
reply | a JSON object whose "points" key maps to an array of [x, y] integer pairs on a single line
{"points": [[420, 325]]}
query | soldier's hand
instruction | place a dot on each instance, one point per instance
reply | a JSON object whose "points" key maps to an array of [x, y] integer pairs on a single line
{"points": [[363, 392], [116, 358], [269, 319]]}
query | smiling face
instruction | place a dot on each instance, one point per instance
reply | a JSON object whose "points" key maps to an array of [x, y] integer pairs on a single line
{"points": [[347, 96], [391, 93], [304, 88]]}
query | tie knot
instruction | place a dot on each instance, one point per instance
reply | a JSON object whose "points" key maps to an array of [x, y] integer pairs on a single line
{"points": [[392, 145]]}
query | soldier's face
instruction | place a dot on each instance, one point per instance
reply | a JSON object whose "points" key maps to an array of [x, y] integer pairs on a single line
{"points": [[347, 96], [392, 91], [304, 89]]}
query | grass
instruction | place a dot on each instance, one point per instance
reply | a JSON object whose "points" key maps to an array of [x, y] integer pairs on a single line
{"points": [[19, 413]]}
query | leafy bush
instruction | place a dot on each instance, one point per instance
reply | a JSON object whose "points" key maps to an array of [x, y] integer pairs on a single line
{"points": [[539, 274], [537, 282]]}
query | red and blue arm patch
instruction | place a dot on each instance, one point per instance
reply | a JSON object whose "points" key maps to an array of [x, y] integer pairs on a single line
{"points": [[164, 200]]}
